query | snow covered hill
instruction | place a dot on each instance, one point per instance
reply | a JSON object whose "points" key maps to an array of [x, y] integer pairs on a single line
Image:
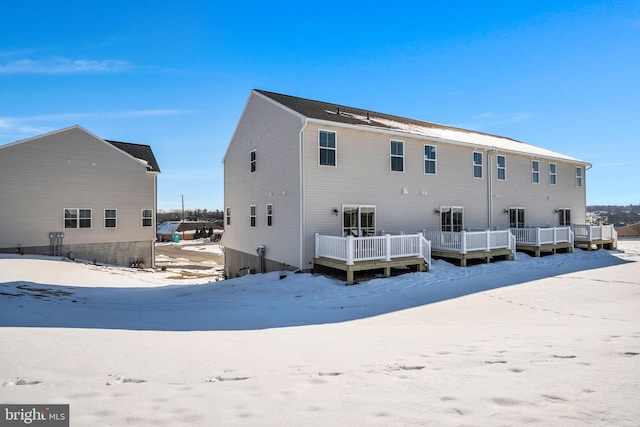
{"points": [[546, 341]]}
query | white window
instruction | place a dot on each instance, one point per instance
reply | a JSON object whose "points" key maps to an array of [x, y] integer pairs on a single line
{"points": [[502, 168], [228, 216], [477, 164], [397, 156], [70, 218], [430, 159], [77, 218], [252, 161], [110, 218], [269, 215], [578, 177], [535, 171], [452, 218], [516, 217], [552, 173], [147, 217], [564, 217], [252, 215], [358, 221], [327, 148]]}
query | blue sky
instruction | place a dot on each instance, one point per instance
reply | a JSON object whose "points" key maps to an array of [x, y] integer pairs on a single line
{"points": [[564, 75]]}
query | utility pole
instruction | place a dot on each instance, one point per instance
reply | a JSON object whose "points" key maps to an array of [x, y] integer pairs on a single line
{"points": [[182, 216]]}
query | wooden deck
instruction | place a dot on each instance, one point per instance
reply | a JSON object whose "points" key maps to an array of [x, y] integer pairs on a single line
{"points": [[420, 263], [600, 236], [537, 250], [463, 258]]}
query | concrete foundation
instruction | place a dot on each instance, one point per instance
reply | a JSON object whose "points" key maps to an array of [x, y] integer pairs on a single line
{"points": [[117, 253], [238, 264]]}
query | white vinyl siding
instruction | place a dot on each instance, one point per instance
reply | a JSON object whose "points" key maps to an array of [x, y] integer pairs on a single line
{"points": [[477, 164], [110, 218], [502, 168], [430, 159], [397, 156], [552, 174], [327, 148]]}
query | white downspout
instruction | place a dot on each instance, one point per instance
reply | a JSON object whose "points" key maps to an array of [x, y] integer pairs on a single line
{"points": [[490, 188], [302, 227]]}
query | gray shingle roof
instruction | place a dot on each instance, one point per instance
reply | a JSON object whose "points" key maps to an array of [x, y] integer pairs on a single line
{"points": [[354, 116], [366, 119], [139, 151]]}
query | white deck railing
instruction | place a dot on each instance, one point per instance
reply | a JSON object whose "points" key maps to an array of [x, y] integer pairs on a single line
{"points": [[589, 233], [351, 249], [539, 236], [468, 241]]}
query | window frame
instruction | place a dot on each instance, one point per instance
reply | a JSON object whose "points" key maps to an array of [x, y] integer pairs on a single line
{"points": [[553, 176], [579, 176], [66, 218], [77, 218], [564, 217], [502, 168], [252, 161], [228, 215], [430, 160], [269, 214], [535, 172], [333, 149], [478, 166], [359, 229], [455, 216], [114, 218], [395, 156], [252, 215], [143, 217], [515, 220]]}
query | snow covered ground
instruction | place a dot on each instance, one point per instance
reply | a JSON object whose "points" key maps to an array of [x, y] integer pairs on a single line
{"points": [[540, 341]]}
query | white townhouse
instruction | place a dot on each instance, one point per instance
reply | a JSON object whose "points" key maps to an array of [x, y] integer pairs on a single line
{"points": [[296, 168], [72, 193]]}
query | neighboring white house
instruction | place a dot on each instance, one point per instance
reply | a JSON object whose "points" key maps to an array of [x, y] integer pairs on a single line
{"points": [[296, 167], [71, 193]]}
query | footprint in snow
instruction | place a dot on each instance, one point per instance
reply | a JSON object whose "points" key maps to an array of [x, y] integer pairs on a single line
{"points": [[20, 381], [119, 379]]}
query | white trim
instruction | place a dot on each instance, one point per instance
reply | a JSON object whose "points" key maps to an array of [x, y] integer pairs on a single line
{"points": [[142, 218], [534, 171], [104, 217], [498, 168], [269, 215], [580, 177], [335, 149], [253, 216], [473, 171], [392, 156], [424, 159]]}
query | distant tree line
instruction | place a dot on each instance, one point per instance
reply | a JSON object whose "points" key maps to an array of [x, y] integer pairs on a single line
{"points": [[190, 215], [617, 215]]}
